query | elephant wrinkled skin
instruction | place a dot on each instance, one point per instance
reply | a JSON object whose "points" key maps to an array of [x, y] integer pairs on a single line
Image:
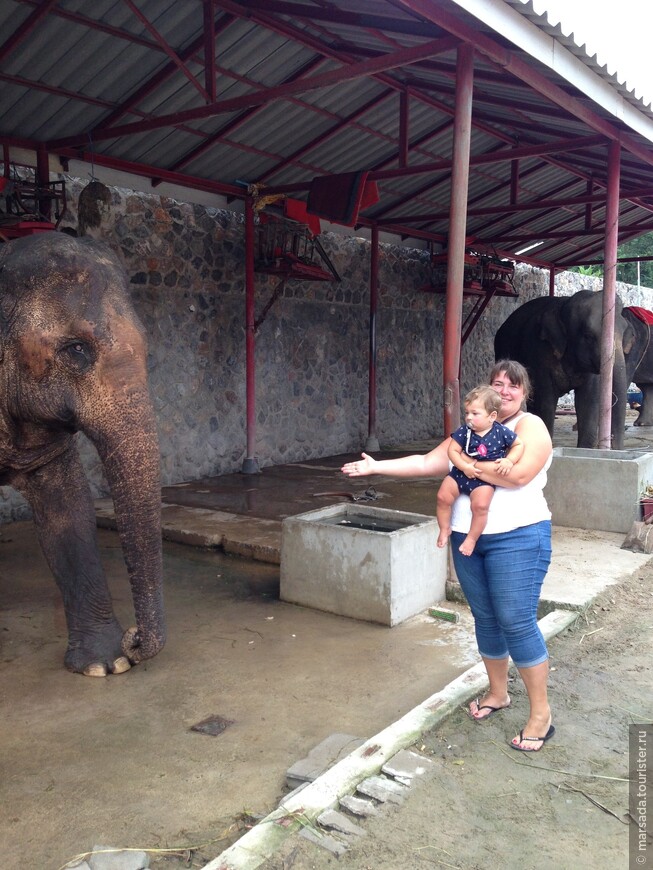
{"points": [[73, 359], [558, 339]]}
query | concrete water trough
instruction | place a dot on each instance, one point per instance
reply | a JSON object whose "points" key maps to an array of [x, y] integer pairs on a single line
{"points": [[368, 563], [597, 489]]}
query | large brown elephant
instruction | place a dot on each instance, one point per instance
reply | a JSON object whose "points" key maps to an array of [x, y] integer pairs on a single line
{"points": [[558, 339], [73, 359]]}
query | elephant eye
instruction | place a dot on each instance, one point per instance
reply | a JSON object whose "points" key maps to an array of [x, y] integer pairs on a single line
{"points": [[77, 355]]}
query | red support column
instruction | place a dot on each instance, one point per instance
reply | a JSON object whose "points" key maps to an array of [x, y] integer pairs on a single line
{"points": [[457, 233], [250, 464], [43, 182], [609, 295], [372, 443]]}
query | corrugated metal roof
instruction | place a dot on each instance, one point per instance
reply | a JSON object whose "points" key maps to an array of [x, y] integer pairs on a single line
{"points": [[73, 74], [631, 90]]}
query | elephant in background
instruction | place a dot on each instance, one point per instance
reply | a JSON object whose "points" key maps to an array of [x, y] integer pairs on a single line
{"points": [[73, 359], [558, 339], [639, 364]]}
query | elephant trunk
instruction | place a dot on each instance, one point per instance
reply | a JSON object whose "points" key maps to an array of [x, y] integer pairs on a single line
{"points": [[129, 452]]}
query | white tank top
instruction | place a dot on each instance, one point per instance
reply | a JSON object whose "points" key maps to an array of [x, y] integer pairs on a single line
{"points": [[510, 508]]}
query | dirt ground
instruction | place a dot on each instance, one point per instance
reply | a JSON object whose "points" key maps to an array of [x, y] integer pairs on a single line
{"points": [[485, 805]]}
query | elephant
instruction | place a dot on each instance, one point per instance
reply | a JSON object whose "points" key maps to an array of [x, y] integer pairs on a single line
{"points": [[73, 359], [639, 364], [558, 339]]}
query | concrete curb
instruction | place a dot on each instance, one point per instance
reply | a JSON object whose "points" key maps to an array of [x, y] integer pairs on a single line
{"points": [[304, 806]]}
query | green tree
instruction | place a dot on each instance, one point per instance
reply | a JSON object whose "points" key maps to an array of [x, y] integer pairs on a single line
{"points": [[640, 247], [627, 272]]}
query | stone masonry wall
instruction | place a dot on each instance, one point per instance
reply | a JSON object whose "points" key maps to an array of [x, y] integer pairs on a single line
{"points": [[186, 270]]}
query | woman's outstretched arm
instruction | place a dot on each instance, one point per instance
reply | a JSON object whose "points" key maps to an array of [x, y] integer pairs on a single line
{"points": [[435, 463]]}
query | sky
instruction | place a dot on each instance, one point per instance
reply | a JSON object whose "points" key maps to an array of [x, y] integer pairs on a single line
{"points": [[620, 33]]}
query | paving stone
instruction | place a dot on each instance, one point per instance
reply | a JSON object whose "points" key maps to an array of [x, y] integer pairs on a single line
{"points": [[117, 859], [406, 765], [293, 792], [358, 806], [321, 758], [382, 789], [338, 822], [333, 845]]}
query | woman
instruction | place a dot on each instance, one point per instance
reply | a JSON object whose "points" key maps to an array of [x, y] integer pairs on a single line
{"points": [[503, 577]]}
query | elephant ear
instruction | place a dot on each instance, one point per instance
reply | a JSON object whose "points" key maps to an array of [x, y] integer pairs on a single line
{"points": [[552, 331]]}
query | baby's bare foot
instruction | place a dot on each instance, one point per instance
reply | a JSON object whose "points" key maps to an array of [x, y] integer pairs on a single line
{"points": [[467, 546]]}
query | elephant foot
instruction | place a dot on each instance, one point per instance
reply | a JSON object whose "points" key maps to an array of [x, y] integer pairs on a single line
{"points": [[98, 669], [96, 651]]}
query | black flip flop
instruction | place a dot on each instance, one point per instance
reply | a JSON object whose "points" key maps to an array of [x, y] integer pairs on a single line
{"points": [[549, 734], [485, 707]]}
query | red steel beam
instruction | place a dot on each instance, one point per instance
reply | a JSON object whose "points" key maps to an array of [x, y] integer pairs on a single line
{"points": [[591, 244], [531, 205], [524, 238], [476, 160], [319, 140], [95, 24], [265, 95], [333, 15], [145, 170], [24, 29], [619, 260], [157, 79], [222, 134], [164, 45]]}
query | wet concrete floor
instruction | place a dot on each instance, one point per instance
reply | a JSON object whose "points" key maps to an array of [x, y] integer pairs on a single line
{"points": [[113, 761]]}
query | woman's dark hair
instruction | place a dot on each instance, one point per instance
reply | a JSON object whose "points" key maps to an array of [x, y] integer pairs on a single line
{"points": [[515, 372]]}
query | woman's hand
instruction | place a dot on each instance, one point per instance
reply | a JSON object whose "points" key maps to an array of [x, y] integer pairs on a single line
{"points": [[360, 468], [431, 464]]}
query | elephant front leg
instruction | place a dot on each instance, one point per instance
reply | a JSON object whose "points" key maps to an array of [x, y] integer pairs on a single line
{"points": [[586, 399], [64, 515], [645, 417]]}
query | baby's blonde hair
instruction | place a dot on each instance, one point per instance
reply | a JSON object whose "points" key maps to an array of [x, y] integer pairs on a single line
{"points": [[489, 397]]}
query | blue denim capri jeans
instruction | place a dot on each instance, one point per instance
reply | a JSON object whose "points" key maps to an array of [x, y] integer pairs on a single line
{"points": [[502, 580]]}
